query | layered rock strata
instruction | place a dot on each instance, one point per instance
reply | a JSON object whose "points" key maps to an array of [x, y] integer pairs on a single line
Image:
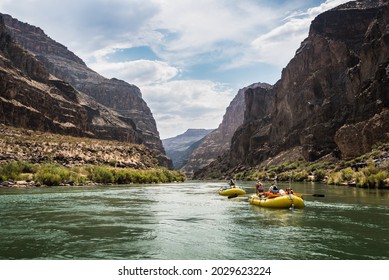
{"points": [[33, 98], [122, 98]]}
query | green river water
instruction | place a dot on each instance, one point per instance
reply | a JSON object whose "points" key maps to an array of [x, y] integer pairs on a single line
{"points": [[190, 221]]}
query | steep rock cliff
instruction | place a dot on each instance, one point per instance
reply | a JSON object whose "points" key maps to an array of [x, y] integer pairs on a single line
{"points": [[218, 141], [332, 97], [259, 103], [336, 80], [31, 97], [125, 99], [322, 88]]}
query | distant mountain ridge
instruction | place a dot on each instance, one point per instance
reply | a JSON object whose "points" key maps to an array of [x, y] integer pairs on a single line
{"points": [[180, 147], [122, 101]]}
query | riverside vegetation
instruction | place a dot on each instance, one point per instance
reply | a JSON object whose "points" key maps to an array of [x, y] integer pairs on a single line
{"points": [[37, 158], [54, 174], [31, 158], [370, 170]]}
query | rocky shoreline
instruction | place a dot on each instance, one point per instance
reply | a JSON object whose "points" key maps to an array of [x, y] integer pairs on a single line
{"points": [[17, 144], [30, 159], [25, 184]]}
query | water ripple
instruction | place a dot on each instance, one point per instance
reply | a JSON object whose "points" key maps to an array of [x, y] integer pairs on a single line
{"points": [[188, 221]]}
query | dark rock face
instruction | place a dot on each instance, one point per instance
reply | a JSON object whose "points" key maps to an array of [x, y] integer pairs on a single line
{"points": [[123, 98], [179, 148], [332, 82], [218, 141], [255, 130], [333, 96]]}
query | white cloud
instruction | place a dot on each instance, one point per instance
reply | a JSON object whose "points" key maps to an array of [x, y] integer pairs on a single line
{"points": [[204, 26], [88, 25], [138, 72], [279, 45], [327, 5], [179, 105], [221, 34], [179, 32]]}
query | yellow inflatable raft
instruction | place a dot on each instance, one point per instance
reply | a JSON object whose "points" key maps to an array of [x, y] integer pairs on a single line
{"points": [[284, 201], [231, 191]]}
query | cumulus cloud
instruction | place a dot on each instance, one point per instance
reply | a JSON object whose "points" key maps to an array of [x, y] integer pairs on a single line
{"points": [[207, 26], [88, 25], [186, 36], [179, 32], [183, 104], [138, 72], [279, 45]]}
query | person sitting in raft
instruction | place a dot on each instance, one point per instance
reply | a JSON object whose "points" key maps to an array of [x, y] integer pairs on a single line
{"points": [[282, 192], [289, 191], [273, 189], [259, 188], [232, 183]]}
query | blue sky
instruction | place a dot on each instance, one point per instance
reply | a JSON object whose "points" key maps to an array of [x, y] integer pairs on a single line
{"points": [[189, 58]]}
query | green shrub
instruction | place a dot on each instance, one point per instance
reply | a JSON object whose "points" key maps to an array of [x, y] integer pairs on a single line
{"points": [[300, 176], [335, 178], [259, 175], [170, 176], [385, 165], [13, 170], [347, 174], [52, 174], [3, 178], [377, 180], [10, 171], [361, 180], [319, 174], [100, 174], [284, 176], [107, 175], [48, 179], [123, 177], [366, 179], [370, 170]]}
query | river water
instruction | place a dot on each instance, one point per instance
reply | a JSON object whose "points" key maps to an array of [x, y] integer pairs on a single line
{"points": [[190, 221]]}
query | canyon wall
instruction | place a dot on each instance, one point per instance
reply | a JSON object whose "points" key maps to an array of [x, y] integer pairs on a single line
{"points": [[332, 98]]}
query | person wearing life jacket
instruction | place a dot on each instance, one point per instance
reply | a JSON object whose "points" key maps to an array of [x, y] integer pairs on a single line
{"points": [[289, 191], [259, 188], [273, 189], [232, 183]]}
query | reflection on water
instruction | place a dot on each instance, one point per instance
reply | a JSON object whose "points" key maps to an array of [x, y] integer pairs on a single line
{"points": [[191, 221]]}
